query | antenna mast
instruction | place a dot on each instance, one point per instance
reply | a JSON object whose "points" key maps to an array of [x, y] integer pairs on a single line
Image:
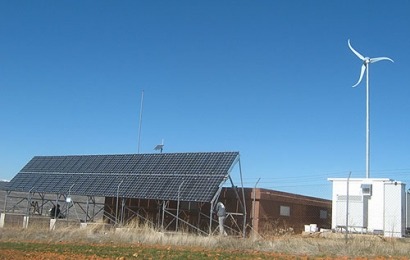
{"points": [[140, 121]]}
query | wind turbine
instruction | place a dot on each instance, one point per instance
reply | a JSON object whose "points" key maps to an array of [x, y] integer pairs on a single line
{"points": [[160, 147], [365, 67]]}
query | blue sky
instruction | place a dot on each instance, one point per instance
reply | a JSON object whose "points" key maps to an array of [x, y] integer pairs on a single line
{"points": [[270, 79]]}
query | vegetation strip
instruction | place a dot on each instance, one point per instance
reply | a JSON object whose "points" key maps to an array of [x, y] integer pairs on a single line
{"points": [[134, 251], [144, 242]]}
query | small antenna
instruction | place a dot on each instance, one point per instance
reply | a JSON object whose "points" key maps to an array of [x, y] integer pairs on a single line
{"points": [[140, 121], [160, 147]]}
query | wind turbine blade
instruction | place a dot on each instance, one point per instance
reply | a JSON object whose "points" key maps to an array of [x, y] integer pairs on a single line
{"points": [[354, 51], [361, 75], [373, 60]]}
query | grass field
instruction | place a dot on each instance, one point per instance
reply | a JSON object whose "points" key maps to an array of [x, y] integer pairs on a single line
{"points": [[136, 242]]}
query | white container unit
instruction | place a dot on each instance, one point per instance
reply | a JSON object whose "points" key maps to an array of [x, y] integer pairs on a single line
{"points": [[370, 205]]}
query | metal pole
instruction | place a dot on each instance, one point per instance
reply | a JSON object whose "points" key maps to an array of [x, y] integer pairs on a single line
{"points": [[210, 217], [122, 210], [55, 211], [42, 203], [253, 204], [347, 206], [29, 202], [116, 207], [68, 199], [92, 219], [407, 208], [367, 123], [5, 201], [244, 202], [163, 215], [86, 208], [179, 190], [140, 121]]}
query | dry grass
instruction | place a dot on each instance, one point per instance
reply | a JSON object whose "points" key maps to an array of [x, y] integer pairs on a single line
{"points": [[365, 246], [333, 245]]}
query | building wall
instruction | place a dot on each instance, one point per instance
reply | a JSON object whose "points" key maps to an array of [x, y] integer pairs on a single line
{"points": [[265, 214], [292, 211]]}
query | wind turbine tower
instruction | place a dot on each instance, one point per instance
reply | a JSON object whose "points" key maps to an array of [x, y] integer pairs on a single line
{"points": [[365, 67]]}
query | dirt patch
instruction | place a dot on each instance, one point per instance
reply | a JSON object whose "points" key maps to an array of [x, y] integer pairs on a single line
{"points": [[16, 254]]}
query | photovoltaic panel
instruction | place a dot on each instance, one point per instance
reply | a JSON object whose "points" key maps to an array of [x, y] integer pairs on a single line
{"points": [[165, 176], [3, 185]]}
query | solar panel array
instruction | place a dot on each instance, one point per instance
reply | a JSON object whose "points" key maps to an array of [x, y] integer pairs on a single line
{"points": [[144, 176], [3, 185]]}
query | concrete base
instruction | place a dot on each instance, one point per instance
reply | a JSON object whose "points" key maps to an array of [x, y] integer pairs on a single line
{"points": [[11, 220], [26, 221], [2, 218], [96, 226], [63, 223], [53, 223], [83, 225]]}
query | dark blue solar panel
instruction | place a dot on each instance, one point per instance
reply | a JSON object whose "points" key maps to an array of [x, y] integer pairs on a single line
{"points": [[145, 176]]}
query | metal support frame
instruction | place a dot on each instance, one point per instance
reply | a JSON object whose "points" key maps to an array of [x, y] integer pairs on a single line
{"points": [[183, 221], [164, 208], [86, 209], [5, 201], [68, 200], [135, 213], [241, 201], [116, 208], [163, 214], [179, 190], [24, 206], [29, 202], [123, 200]]}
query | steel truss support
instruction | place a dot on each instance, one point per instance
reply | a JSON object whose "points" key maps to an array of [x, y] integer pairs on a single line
{"points": [[34, 203]]}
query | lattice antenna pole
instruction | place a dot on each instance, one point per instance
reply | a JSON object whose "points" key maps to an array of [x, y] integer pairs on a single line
{"points": [[140, 120]]}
